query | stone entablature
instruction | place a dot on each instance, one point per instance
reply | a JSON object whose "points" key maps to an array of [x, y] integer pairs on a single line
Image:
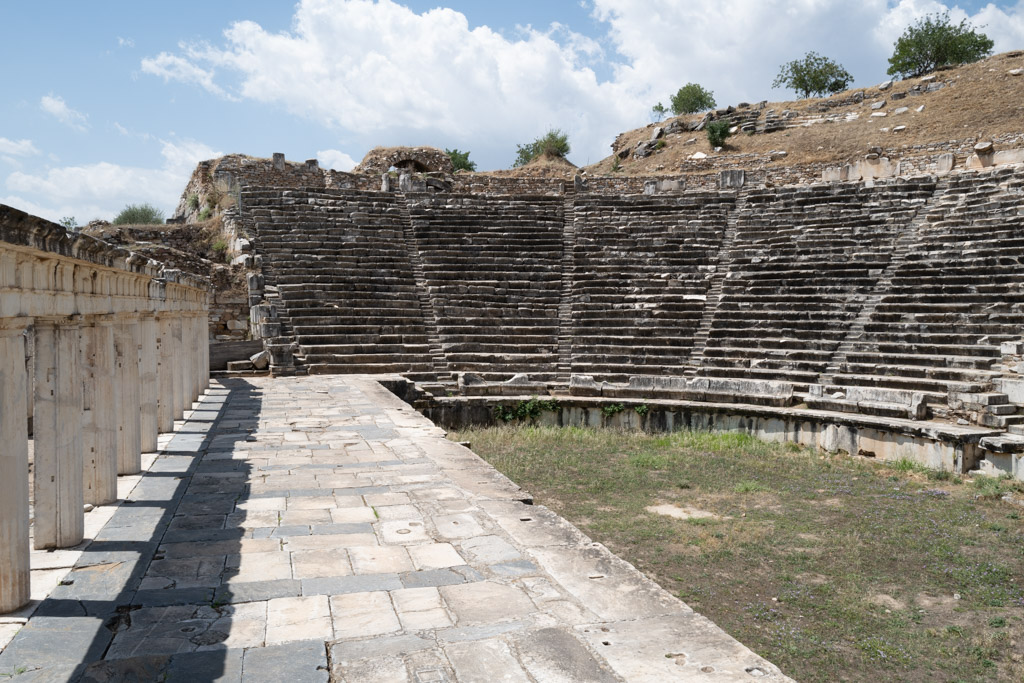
{"points": [[102, 349]]}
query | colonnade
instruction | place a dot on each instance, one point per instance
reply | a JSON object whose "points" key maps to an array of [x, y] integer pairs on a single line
{"points": [[118, 352]]}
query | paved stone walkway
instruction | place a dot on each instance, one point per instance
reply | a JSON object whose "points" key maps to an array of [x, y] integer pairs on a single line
{"points": [[320, 529]]}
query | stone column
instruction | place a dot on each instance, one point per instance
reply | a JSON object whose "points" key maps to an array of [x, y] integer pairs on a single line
{"points": [[178, 365], [14, 537], [148, 386], [200, 334], [165, 376], [57, 429], [100, 403], [129, 439]]}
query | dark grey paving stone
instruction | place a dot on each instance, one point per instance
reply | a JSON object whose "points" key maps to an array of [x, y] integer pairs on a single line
{"points": [[255, 591], [206, 504], [173, 596], [351, 528], [291, 530], [338, 585], [50, 642], [431, 577], [183, 522], [211, 666], [199, 535], [148, 668], [299, 662]]}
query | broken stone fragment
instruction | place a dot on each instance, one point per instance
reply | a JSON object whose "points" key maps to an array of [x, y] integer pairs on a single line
{"points": [[984, 147], [885, 86], [878, 105], [261, 360]]}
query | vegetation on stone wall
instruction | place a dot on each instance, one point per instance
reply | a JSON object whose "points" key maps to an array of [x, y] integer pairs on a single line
{"points": [[553, 144], [935, 41], [460, 160], [139, 214], [718, 132]]}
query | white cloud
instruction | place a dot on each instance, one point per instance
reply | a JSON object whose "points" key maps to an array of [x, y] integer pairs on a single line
{"points": [[392, 76], [125, 42], [58, 108], [335, 159], [102, 189], [173, 68], [384, 74], [17, 148]]}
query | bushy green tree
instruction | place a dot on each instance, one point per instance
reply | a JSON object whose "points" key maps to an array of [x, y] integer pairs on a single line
{"points": [[139, 214], [460, 160], [813, 74], [554, 143], [718, 132], [935, 41], [692, 98], [69, 223]]}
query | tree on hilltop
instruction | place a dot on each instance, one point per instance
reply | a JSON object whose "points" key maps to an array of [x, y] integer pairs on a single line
{"points": [[460, 160], [692, 98], [934, 41], [554, 143], [139, 214], [813, 74]]}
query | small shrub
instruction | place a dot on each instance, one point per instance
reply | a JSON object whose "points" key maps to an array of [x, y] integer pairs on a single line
{"points": [[69, 223], [659, 112], [219, 247], [692, 98], [139, 214], [642, 409], [525, 409], [460, 160], [205, 213], [193, 202], [554, 143], [660, 144], [616, 164], [609, 409], [718, 132]]}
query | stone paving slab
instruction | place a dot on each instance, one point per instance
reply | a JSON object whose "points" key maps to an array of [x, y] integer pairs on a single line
{"points": [[319, 529]]}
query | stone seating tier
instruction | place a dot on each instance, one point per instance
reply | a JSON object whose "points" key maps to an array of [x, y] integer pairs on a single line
{"points": [[906, 286]]}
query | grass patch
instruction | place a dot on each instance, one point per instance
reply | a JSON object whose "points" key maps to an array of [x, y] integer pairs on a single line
{"points": [[834, 568]]}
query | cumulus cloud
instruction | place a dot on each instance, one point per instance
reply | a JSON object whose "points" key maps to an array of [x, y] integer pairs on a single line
{"points": [[335, 159], [102, 189], [390, 75], [385, 74], [56, 106], [174, 68]]}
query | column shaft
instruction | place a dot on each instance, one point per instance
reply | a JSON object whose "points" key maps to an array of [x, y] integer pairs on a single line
{"points": [[57, 429], [165, 376], [177, 366], [148, 386], [129, 440], [14, 536], [100, 399]]}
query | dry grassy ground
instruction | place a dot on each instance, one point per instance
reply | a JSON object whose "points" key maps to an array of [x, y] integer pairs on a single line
{"points": [[983, 101], [834, 568]]}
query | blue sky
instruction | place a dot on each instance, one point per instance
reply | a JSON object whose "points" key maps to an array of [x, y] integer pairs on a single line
{"points": [[114, 102]]}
